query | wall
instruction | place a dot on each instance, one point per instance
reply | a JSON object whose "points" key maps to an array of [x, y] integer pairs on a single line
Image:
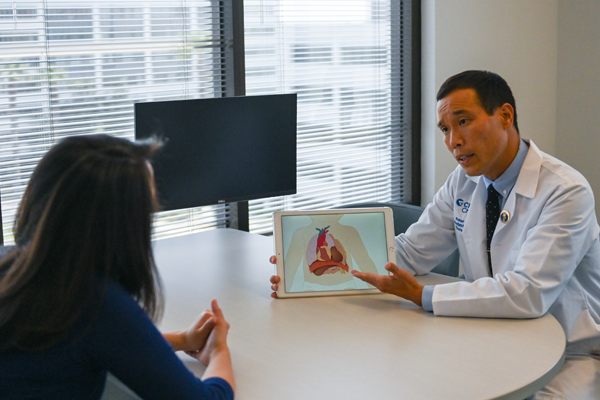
{"points": [[514, 38], [578, 89]]}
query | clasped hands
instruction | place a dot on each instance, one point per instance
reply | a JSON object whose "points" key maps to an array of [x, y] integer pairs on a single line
{"points": [[204, 337], [399, 282]]}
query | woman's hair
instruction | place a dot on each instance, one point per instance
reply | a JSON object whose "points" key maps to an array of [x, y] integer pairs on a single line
{"points": [[85, 219]]}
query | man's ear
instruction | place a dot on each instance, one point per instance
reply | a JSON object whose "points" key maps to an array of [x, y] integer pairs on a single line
{"points": [[507, 115]]}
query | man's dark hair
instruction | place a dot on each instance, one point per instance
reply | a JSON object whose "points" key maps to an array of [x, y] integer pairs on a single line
{"points": [[492, 90], [85, 220]]}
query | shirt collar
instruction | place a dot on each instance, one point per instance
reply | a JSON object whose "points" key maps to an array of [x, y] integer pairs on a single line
{"points": [[507, 180]]}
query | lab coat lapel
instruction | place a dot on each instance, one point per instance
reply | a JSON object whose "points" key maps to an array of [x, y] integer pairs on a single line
{"points": [[525, 186], [528, 179], [509, 207]]}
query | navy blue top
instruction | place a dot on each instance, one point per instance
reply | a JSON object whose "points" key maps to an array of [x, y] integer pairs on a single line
{"points": [[122, 340]]}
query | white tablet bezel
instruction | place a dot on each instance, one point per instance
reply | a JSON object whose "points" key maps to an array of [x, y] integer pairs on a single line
{"points": [[278, 243]]}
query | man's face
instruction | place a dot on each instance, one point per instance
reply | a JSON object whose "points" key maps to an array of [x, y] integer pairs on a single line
{"points": [[478, 141]]}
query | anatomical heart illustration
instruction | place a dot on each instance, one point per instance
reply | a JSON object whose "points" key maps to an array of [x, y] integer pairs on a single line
{"points": [[325, 254]]}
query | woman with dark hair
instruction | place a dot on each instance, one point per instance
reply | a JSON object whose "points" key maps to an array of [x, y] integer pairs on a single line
{"points": [[71, 288]]}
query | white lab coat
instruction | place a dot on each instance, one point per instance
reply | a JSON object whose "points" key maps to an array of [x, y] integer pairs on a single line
{"points": [[546, 258]]}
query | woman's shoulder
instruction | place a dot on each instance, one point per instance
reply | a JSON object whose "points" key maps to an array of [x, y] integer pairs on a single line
{"points": [[115, 300], [111, 309], [115, 320]]}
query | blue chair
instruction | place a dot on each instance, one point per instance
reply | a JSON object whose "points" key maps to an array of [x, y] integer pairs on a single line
{"points": [[404, 216]]}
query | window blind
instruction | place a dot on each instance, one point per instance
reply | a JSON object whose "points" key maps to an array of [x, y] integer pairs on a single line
{"points": [[344, 59], [74, 68]]}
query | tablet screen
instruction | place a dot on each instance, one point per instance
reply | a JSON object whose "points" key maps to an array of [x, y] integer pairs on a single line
{"points": [[320, 250]]}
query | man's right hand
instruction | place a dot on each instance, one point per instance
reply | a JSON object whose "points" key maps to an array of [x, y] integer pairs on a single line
{"points": [[274, 279]]}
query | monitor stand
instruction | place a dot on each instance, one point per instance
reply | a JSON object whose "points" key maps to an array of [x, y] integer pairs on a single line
{"points": [[240, 216]]}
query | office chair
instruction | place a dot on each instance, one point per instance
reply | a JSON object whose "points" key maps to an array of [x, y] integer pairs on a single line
{"points": [[404, 216]]}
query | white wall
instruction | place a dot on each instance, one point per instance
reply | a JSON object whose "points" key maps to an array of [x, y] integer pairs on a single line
{"points": [[578, 101], [516, 39]]}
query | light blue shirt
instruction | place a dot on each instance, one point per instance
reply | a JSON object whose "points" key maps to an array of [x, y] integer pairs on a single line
{"points": [[503, 185]]}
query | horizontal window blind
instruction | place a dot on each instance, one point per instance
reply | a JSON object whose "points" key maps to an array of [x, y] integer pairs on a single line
{"points": [[75, 68], [341, 57]]}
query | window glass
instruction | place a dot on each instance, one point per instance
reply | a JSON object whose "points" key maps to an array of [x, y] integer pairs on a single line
{"points": [[337, 56], [76, 68]]}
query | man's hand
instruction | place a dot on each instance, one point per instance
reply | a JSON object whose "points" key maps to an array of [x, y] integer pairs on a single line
{"points": [[274, 279], [399, 283]]}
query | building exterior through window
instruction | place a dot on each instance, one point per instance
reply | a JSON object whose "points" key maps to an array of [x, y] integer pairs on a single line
{"points": [[71, 68]]}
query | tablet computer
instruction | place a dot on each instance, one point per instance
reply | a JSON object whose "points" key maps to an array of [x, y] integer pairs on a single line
{"points": [[317, 250]]}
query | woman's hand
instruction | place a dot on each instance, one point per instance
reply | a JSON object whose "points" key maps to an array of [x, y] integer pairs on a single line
{"points": [[194, 338], [217, 339], [197, 334], [215, 353]]}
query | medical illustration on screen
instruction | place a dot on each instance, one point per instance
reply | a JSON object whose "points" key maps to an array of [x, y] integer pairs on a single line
{"points": [[325, 254], [320, 251]]}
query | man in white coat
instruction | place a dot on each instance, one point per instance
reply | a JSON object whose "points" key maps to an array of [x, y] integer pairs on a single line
{"points": [[537, 252]]}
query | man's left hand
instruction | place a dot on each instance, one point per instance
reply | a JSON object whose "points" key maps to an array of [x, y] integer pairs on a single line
{"points": [[399, 282]]}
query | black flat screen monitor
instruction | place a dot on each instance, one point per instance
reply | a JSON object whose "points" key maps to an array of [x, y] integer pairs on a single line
{"points": [[221, 150]]}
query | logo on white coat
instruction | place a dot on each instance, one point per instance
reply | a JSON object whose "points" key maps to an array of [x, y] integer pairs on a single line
{"points": [[464, 204]]}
